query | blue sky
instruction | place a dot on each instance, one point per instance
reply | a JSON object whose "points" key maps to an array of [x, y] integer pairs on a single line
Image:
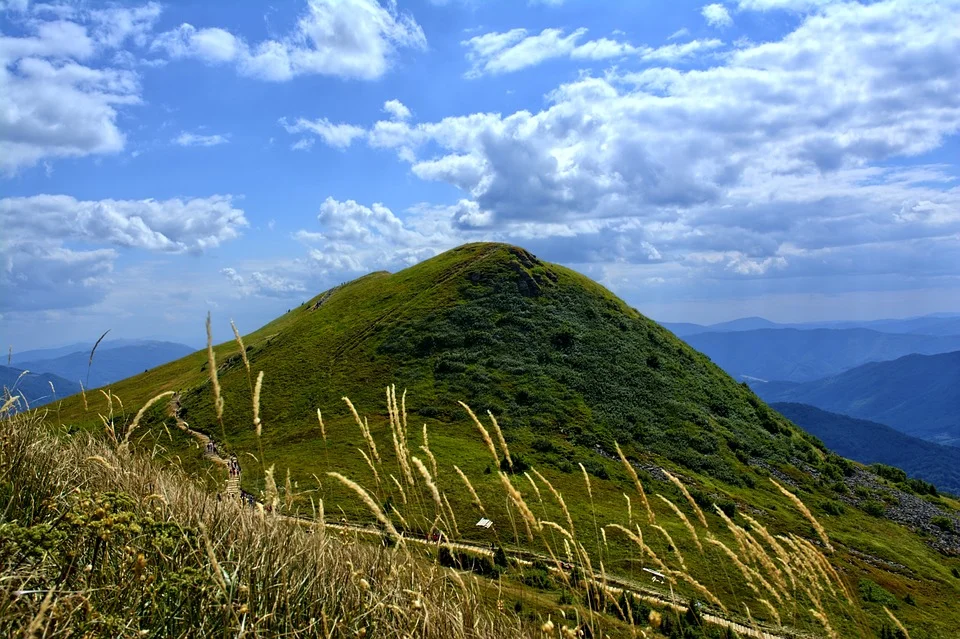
{"points": [[795, 159]]}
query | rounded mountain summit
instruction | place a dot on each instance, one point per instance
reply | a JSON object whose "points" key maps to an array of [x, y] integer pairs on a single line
{"points": [[561, 362]]}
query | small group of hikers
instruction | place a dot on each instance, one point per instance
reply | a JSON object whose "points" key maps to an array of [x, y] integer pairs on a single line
{"points": [[233, 466]]}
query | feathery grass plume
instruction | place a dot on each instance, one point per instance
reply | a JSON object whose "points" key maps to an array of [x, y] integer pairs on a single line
{"points": [[432, 487], [364, 430], [825, 563], [533, 484], [426, 449], [243, 349], [10, 402], [810, 552], [686, 493], [517, 499], [806, 513], [218, 572], [752, 575], [212, 370], [500, 438], [656, 560], [556, 495], [896, 621], [772, 610], [629, 533], [83, 394], [52, 389], [629, 508], [636, 480], [557, 527], [256, 404], [100, 459], [453, 516], [288, 493], [373, 468], [483, 433], [403, 494], [808, 577], [734, 529], [822, 618], [778, 549], [399, 438], [92, 351], [744, 569], [761, 558], [586, 480], [683, 518], [699, 587], [473, 493], [271, 494], [403, 406], [370, 503], [672, 544], [136, 420], [323, 431]]}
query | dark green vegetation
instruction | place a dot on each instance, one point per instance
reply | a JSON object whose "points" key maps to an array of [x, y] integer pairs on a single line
{"points": [[794, 355], [112, 361], [872, 443], [36, 386], [568, 369], [916, 394]]}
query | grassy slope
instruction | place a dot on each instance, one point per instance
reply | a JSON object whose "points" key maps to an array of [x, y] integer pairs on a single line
{"points": [[568, 369]]}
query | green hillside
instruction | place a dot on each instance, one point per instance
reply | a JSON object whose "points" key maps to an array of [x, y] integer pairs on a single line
{"points": [[568, 370]]}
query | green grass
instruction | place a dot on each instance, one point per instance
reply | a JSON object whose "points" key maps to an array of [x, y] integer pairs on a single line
{"points": [[568, 369]]}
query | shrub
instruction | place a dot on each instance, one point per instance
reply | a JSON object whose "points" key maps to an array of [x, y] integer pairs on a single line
{"points": [[873, 508], [833, 507], [889, 472], [873, 592], [943, 523]]}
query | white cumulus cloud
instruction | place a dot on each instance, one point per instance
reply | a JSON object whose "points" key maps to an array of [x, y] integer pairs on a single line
{"points": [[716, 15], [343, 38]]}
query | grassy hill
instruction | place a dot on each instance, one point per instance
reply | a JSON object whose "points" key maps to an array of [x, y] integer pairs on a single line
{"points": [[790, 354], [569, 370], [916, 394], [872, 443]]}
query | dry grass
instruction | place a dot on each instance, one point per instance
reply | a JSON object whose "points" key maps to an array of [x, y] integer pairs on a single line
{"points": [[149, 552], [806, 513]]}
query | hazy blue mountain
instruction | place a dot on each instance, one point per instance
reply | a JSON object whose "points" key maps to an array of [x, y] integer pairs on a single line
{"points": [[35, 386], [790, 354], [937, 324], [918, 395], [111, 363], [872, 443]]}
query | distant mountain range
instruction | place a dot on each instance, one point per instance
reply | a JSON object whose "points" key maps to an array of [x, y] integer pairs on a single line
{"points": [[935, 324], [113, 361], [35, 386], [789, 354], [872, 443], [916, 394]]}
